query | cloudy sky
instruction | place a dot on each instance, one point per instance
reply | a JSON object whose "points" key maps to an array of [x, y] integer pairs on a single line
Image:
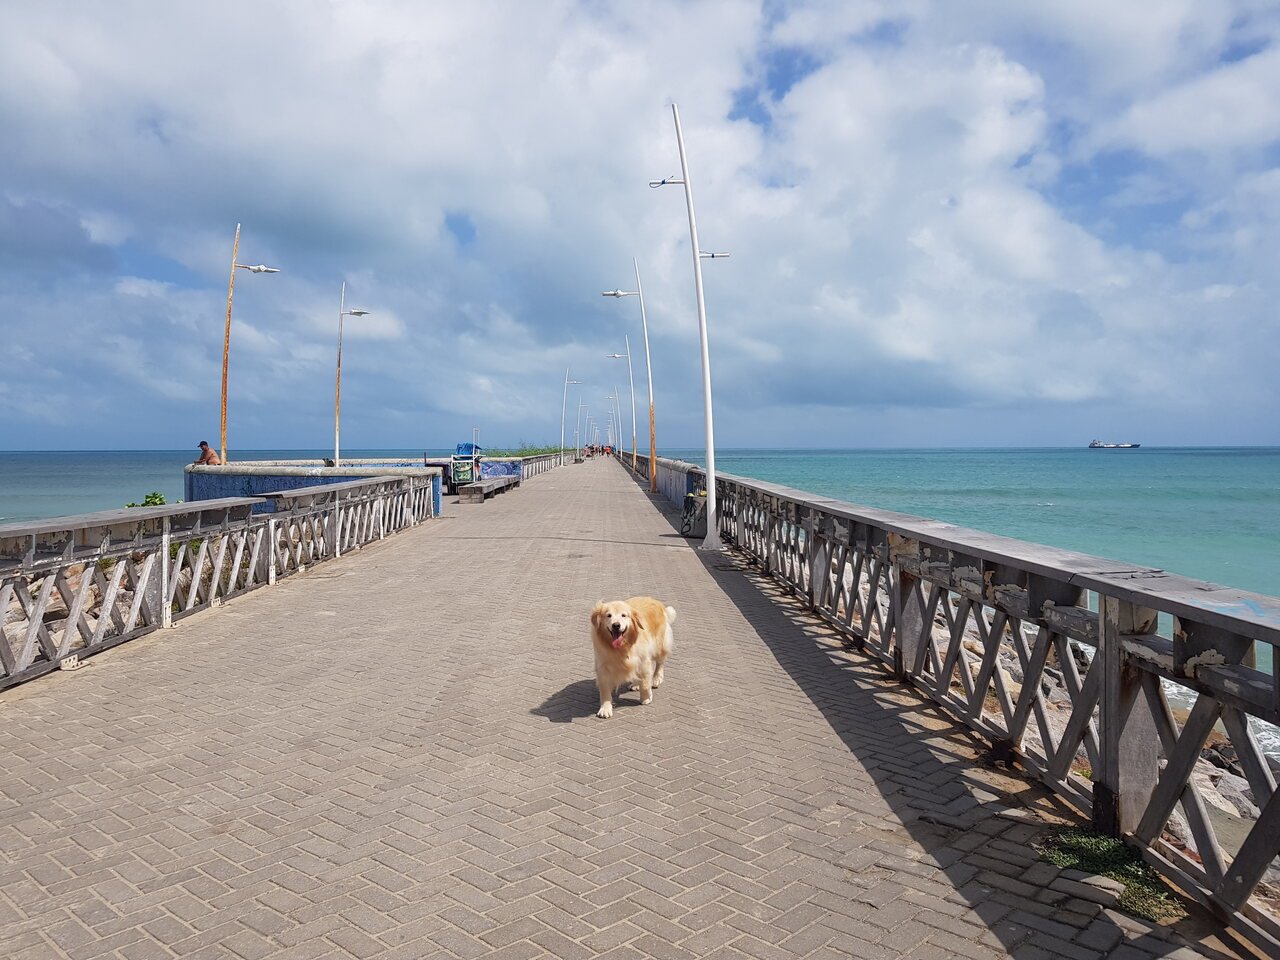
{"points": [[951, 224]]}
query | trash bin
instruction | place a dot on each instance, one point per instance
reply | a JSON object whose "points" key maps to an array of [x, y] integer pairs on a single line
{"points": [[693, 523]]}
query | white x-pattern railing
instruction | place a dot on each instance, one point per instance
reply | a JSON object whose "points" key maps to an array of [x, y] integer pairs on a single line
{"points": [[71, 587], [1150, 664]]}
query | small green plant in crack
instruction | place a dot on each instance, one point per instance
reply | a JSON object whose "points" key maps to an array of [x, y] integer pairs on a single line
{"points": [[1078, 848]]}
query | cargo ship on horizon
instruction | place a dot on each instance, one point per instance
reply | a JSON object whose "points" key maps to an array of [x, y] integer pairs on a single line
{"points": [[1099, 445]]}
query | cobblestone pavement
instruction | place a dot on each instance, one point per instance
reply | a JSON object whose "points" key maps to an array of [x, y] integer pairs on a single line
{"points": [[394, 755]]}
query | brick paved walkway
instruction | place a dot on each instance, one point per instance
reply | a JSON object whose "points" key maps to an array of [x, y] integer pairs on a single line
{"points": [[395, 756]]}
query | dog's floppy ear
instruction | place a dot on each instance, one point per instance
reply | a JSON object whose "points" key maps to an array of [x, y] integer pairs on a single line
{"points": [[597, 615], [637, 619]]}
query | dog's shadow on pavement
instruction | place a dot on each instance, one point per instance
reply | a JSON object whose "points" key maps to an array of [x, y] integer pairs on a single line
{"points": [[579, 699]]}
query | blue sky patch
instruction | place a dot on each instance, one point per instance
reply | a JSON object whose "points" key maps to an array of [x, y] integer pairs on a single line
{"points": [[888, 33], [784, 67], [462, 227], [747, 106], [1125, 198], [136, 260], [1242, 49]]}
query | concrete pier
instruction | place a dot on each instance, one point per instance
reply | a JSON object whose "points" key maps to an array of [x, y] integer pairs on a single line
{"points": [[395, 756]]}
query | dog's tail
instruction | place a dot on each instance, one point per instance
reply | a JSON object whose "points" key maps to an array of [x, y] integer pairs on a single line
{"points": [[671, 614]]}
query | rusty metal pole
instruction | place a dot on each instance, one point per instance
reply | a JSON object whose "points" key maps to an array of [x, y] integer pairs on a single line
{"points": [[226, 345]]}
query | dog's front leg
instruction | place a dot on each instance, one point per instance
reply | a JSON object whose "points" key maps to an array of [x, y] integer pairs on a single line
{"points": [[606, 698]]}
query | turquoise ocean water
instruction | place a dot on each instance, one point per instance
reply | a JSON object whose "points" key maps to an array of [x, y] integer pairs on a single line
{"points": [[60, 483], [1212, 513], [1208, 513]]}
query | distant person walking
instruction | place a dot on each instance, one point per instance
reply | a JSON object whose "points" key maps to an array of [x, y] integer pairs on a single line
{"points": [[208, 455]]}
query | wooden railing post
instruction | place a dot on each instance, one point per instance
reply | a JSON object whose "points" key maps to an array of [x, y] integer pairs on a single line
{"points": [[908, 608], [812, 552], [335, 526], [1128, 741], [166, 573], [770, 537], [272, 560]]}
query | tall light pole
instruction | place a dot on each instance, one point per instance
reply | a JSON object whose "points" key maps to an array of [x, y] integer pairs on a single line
{"points": [[614, 419], [644, 326], [343, 312], [577, 427], [226, 336], [712, 539], [627, 355], [617, 406], [563, 402]]}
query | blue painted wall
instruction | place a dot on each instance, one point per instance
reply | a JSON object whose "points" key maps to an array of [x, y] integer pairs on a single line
{"points": [[211, 486]]}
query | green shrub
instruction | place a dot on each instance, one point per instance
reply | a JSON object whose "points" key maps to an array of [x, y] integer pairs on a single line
{"points": [[527, 450], [153, 499]]}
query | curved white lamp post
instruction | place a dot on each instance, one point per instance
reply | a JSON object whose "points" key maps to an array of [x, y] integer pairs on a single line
{"points": [[627, 357], [577, 429], [563, 401], [644, 326], [616, 418], [343, 312], [712, 540]]}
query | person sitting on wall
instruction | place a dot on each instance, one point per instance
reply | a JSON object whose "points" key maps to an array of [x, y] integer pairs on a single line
{"points": [[208, 455]]}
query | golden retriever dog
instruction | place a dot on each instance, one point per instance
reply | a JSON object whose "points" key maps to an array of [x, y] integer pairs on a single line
{"points": [[632, 640]]}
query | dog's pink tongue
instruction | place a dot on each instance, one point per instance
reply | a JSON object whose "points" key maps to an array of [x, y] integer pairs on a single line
{"points": [[617, 643]]}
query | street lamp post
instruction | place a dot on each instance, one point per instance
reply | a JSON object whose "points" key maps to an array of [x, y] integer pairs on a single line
{"points": [[615, 418], [712, 539], [563, 402], [337, 384], [577, 429], [644, 326], [226, 335], [619, 356], [617, 406]]}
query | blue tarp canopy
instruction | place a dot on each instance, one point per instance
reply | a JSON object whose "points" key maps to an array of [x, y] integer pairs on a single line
{"points": [[468, 450]]}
